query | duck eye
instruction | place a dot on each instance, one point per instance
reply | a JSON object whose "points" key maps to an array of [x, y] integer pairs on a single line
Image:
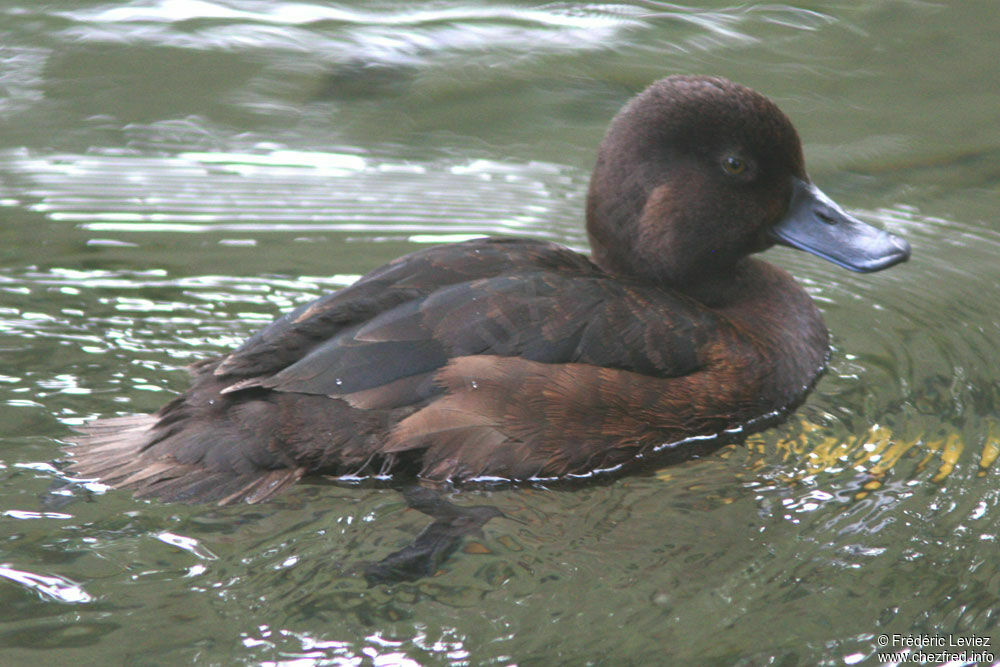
{"points": [[734, 165]]}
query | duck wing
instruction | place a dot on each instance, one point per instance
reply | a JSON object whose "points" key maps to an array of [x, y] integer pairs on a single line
{"points": [[542, 316], [404, 280]]}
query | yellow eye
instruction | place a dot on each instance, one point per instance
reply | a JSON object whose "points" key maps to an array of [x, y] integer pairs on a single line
{"points": [[733, 165]]}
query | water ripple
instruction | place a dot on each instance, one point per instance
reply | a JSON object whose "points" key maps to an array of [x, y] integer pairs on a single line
{"points": [[280, 190], [49, 587], [399, 33], [188, 544], [404, 35]]}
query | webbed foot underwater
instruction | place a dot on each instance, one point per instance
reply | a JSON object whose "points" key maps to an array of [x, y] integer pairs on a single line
{"points": [[517, 359]]}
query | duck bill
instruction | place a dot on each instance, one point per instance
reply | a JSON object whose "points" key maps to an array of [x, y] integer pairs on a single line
{"points": [[816, 224]]}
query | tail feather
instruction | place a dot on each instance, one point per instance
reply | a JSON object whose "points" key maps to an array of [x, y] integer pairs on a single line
{"points": [[118, 452]]}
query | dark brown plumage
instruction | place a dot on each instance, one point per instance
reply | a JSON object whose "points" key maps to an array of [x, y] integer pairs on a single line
{"points": [[518, 359]]}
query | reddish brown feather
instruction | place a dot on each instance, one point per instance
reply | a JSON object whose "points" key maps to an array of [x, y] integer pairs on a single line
{"points": [[556, 419]]}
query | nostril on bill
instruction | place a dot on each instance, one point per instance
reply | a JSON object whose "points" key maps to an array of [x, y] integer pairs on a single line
{"points": [[825, 215]]}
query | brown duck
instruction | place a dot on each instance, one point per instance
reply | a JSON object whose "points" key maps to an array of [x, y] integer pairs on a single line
{"points": [[516, 359]]}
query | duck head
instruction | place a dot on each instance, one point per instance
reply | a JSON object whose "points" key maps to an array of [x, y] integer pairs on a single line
{"points": [[695, 173]]}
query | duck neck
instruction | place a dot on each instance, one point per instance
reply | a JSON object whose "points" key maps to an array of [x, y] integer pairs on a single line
{"points": [[733, 288]]}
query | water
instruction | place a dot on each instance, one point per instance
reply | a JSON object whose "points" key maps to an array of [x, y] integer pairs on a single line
{"points": [[175, 173]]}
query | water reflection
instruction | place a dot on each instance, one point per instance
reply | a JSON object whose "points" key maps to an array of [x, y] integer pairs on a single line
{"points": [[51, 587], [283, 191], [398, 34]]}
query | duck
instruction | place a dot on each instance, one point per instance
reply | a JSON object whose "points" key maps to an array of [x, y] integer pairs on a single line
{"points": [[518, 360]]}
